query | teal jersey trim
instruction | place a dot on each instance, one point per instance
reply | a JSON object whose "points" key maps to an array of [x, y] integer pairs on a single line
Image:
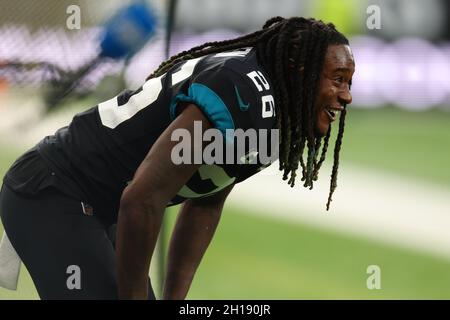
{"points": [[211, 105]]}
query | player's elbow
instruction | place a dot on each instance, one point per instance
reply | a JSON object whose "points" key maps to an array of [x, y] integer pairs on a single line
{"points": [[133, 202]]}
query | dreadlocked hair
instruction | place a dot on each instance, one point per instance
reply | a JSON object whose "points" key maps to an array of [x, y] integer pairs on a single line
{"points": [[292, 51]]}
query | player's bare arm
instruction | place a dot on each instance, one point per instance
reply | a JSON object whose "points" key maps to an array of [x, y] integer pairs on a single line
{"points": [[196, 223], [142, 205]]}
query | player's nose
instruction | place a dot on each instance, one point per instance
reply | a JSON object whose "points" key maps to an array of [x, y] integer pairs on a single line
{"points": [[345, 96]]}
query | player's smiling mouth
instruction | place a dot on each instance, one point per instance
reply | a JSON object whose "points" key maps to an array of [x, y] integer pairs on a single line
{"points": [[333, 112]]}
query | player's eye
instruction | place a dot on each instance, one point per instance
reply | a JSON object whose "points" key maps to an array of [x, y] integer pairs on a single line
{"points": [[339, 79]]}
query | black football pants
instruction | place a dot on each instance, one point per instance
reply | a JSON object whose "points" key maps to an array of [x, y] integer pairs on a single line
{"points": [[69, 255]]}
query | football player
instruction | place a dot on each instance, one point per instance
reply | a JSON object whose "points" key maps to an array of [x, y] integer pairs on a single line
{"points": [[114, 162]]}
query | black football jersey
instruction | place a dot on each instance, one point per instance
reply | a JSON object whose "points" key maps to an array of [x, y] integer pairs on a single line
{"points": [[97, 154]]}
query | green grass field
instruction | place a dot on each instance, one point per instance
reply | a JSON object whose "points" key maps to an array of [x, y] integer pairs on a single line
{"points": [[262, 258], [254, 258], [405, 143]]}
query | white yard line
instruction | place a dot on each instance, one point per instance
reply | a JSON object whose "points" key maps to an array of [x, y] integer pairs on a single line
{"points": [[394, 210]]}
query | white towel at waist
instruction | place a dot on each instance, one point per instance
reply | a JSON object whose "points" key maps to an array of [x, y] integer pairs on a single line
{"points": [[9, 264]]}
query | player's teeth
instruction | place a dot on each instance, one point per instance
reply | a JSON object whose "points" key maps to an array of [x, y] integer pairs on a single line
{"points": [[333, 112], [330, 113]]}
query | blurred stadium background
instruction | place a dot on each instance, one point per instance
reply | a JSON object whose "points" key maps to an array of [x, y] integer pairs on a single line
{"points": [[392, 206]]}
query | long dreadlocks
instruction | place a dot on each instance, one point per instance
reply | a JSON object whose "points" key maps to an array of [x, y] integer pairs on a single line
{"points": [[284, 47]]}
